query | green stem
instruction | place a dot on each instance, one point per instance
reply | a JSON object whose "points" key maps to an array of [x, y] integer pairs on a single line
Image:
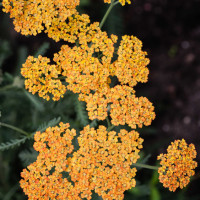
{"points": [[113, 3], [14, 128], [145, 166], [61, 77], [108, 122], [110, 128]]}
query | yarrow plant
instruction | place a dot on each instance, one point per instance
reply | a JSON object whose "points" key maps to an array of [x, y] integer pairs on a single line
{"points": [[105, 160]]}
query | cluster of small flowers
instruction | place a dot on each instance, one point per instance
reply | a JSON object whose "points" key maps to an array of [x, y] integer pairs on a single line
{"points": [[44, 178], [42, 78], [102, 163], [88, 69], [31, 17], [177, 166]]}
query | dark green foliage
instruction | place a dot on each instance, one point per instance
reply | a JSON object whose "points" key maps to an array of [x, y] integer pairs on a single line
{"points": [[80, 108], [13, 143]]}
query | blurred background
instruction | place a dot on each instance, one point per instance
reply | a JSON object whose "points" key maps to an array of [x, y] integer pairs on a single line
{"points": [[170, 32]]}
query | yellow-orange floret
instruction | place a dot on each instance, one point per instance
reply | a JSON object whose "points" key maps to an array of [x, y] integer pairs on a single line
{"points": [[103, 162], [177, 166], [131, 63], [81, 66], [123, 105], [129, 109], [97, 105], [44, 179], [42, 77], [32, 16], [123, 2], [69, 30]]}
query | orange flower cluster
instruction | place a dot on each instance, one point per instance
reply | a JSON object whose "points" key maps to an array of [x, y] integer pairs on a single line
{"points": [[83, 70], [131, 64], [45, 178], [103, 162], [125, 107], [177, 166], [69, 30], [88, 69], [42, 77], [123, 2], [31, 17]]}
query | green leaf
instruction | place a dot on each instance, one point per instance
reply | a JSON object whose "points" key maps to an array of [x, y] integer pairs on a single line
{"points": [[51, 123], [36, 102], [11, 192], [22, 55], [13, 143], [94, 123], [4, 51], [82, 115], [42, 50], [155, 194], [140, 190], [28, 156], [154, 179], [17, 142]]}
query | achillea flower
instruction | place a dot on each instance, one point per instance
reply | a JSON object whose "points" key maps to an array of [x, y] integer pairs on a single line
{"points": [[69, 30], [42, 77], [84, 71], [103, 162], [123, 2], [44, 179], [177, 166], [131, 63], [31, 17], [124, 106], [129, 109]]}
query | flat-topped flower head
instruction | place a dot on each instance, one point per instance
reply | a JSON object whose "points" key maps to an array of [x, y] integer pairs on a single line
{"points": [[126, 108], [123, 2], [131, 65], [103, 162], [84, 71], [177, 166], [42, 78], [32, 16], [69, 30], [123, 106], [44, 179]]}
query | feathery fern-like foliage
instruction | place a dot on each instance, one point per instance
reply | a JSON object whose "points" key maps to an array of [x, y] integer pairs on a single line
{"points": [[82, 115], [13, 143], [51, 123], [17, 142]]}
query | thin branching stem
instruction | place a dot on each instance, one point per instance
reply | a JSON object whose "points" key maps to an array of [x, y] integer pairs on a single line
{"points": [[110, 128], [145, 166], [14, 128], [113, 3]]}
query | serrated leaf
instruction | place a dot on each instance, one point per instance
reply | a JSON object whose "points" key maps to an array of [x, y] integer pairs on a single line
{"points": [[51, 123], [94, 123], [82, 115], [17, 142], [38, 105], [42, 50], [13, 143], [28, 156]]}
